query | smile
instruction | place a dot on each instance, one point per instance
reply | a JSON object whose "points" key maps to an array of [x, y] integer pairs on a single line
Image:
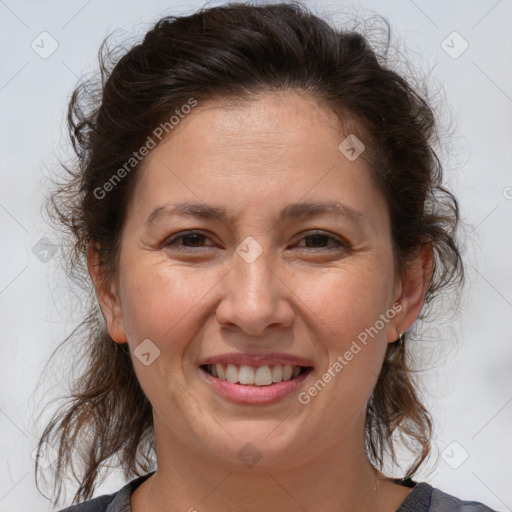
{"points": [[246, 384], [246, 375]]}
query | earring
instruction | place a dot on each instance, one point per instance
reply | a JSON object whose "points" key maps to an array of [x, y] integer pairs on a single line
{"points": [[400, 339]]}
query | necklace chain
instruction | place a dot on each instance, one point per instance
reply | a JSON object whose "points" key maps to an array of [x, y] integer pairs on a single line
{"points": [[375, 493]]}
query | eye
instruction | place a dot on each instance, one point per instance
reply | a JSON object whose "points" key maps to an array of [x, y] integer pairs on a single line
{"points": [[318, 240], [194, 240], [191, 239]]}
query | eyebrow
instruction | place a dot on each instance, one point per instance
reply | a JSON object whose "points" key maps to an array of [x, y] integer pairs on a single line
{"points": [[292, 211]]}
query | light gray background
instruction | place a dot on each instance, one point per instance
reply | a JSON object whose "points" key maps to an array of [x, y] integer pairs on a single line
{"points": [[469, 388]]}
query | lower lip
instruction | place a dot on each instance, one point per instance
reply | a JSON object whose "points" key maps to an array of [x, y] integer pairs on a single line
{"points": [[246, 394]]}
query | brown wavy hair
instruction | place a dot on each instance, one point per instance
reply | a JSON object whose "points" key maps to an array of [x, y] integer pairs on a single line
{"points": [[235, 51]]}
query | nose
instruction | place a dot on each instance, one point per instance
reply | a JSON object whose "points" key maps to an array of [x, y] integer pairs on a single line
{"points": [[255, 296]]}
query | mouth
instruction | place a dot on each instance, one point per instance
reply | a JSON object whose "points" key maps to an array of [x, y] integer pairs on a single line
{"points": [[255, 376]]}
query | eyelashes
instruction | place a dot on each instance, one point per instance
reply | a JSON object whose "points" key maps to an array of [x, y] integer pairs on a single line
{"points": [[184, 236], [195, 238], [315, 237]]}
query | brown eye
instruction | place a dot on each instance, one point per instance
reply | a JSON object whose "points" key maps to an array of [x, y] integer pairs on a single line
{"points": [[190, 239], [321, 241]]}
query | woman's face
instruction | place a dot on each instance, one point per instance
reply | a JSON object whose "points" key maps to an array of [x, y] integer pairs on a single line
{"points": [[265, 281]]}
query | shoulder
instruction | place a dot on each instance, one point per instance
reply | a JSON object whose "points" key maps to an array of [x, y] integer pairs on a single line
{"points": [[98, 504], [116, 502], [425, 498], [442, 501]]}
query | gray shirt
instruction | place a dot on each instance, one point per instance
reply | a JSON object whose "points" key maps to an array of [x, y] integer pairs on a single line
{"points": [[423, 498]]}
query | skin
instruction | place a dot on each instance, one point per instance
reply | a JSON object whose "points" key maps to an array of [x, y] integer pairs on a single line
{"points": [[296, 297]]}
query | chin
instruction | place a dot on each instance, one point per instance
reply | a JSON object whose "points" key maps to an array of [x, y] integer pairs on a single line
{"points": [[263, 445]]}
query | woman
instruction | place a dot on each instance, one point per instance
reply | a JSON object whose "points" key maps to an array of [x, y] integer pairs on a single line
{"points": [[263, 218]]}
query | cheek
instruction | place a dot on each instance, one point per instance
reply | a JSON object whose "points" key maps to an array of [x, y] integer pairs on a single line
{"points": [[165, 305], [349, 305], [158, 301], [347, 300]]}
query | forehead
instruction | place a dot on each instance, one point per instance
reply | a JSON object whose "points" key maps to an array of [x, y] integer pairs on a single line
{"points": [[269, 113], [266, 125], [254, 152]]}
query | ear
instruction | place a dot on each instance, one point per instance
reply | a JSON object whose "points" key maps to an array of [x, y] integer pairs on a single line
{"points": [[107, 296], [411, 289]]}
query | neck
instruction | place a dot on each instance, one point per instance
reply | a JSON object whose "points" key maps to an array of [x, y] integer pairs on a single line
{"points": [[334, 478]]}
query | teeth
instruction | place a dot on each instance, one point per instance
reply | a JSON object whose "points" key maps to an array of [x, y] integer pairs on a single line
{"points": [[232, 373], [277, 373], [287, 372], [248, 375], [263, 376], [221, 374]]}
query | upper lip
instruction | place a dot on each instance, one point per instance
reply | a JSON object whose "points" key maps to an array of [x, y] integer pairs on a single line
{"points": [[240, 358]]}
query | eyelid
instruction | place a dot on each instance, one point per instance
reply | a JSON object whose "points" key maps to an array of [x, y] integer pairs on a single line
{"points": [[341, 242], [168, 241]]}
